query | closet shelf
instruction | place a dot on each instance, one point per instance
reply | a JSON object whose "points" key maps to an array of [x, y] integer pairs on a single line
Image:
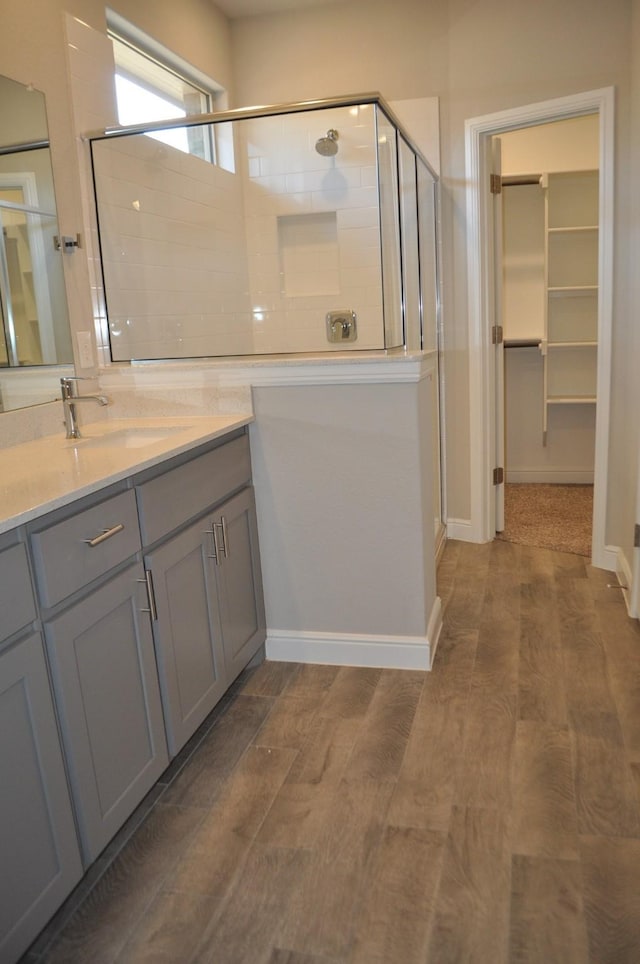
{"points": [[572, 344], [567, 290], [573, 229], [571, 256], [571, 399], [522, 342]]}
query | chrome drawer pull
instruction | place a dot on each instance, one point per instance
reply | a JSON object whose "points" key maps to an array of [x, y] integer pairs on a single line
{"points": [[104, 535]]}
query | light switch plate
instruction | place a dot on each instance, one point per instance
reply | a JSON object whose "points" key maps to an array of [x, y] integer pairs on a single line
{"points": [[85, 349]]}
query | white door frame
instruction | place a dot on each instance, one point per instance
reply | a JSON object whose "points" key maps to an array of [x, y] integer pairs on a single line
{"points": [[480, 289]]}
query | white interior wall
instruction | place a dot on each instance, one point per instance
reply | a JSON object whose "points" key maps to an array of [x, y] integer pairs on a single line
{"points": [[327, 460], [523, 277], [566, 145], [523, 54]]}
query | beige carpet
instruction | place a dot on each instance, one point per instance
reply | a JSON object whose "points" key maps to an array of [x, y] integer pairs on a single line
{"points": [[549, 516]]}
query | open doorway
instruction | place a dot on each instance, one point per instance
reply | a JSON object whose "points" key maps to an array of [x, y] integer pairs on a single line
{"points": [[479, 132], [548, 273]]}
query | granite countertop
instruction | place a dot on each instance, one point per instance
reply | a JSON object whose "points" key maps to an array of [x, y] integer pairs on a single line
{"points": [[49, 472]]}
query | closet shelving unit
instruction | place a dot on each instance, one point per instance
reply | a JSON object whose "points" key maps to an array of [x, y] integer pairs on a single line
{"points": [[570, 343]]}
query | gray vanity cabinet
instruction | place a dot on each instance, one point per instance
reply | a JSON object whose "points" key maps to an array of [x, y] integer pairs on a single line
{"points": [[98, 636], [39, 854], [133, 655], [101, 652], [239, 581], [187, 631], [205, 576]]}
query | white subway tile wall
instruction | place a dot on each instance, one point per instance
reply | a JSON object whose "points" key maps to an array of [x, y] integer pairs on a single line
{"points": [[202, 261], [173, 252]]}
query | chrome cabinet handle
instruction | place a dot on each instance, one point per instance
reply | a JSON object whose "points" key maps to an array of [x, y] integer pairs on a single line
{"points": [[151, 596], [104, 535], [216, 547], [225, 541]]}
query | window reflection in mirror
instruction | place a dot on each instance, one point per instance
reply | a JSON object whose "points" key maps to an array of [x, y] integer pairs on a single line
{"points": [[34, 325]]}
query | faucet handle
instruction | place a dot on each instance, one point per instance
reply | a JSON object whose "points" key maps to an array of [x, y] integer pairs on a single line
{"points": [[68, 386]]}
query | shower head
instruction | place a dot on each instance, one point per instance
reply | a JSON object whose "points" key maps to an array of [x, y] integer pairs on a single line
{"points": [[327, 146]]}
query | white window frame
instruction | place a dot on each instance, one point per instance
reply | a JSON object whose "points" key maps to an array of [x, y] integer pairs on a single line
{"points": [[147, 48]]}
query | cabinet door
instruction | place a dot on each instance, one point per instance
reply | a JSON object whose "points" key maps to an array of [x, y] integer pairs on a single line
{"points": [[187, 630], [39, 852], [239, 580], [17, 606], [109, 700]]}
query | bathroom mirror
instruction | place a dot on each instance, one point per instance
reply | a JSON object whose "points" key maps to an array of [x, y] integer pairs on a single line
{"points": [[35, 340]]}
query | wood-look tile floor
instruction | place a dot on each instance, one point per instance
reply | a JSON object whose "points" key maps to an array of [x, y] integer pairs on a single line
{"points": [[485, 812]]}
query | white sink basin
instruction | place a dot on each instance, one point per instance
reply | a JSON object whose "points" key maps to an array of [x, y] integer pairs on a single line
{"points": [[134, 437]]}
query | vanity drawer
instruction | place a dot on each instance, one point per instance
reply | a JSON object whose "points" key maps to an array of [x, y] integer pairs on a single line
{"points": [[17, 605], [70, 554], [171, 499]]}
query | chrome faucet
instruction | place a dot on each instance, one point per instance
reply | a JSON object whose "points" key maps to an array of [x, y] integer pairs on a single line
{"points": [[70, 399]]}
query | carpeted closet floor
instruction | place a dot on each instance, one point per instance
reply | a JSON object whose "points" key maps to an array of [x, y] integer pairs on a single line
{"points": [[549, 516]]}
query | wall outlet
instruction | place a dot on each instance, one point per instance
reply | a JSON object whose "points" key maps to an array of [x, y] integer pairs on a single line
{"points": [[86, 357]]}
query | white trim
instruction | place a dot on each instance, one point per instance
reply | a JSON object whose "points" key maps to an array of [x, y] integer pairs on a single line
{"points": [[551, 476], [391, 372], [610, 558], [357, 649], [460, 529], [151, 47], [622, 569], [477, 131], [366, 369]]}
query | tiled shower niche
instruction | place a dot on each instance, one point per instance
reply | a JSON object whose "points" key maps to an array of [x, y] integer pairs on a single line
{"points": [[281, 216]]}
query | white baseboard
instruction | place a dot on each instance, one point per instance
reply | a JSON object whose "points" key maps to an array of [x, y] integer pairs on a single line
{"points": [[460, 529], [356, 649], [606, 558], [551, 476]]}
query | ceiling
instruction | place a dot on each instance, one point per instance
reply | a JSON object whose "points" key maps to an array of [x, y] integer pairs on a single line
{"points": [[235, 9]]}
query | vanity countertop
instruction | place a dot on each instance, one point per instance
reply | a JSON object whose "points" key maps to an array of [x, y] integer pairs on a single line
{"points": [[41, 475]]}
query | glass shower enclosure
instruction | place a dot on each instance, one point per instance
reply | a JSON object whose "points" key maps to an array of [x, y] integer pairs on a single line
{"points": [[298, 228]]}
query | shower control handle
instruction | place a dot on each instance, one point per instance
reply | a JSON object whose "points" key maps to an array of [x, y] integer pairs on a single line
{"points": [[341, 325]]}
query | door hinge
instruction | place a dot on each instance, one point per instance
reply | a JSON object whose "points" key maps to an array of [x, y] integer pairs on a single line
{"points": [[497, 335], [495, 184], [636, 536], [498, 476]]}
